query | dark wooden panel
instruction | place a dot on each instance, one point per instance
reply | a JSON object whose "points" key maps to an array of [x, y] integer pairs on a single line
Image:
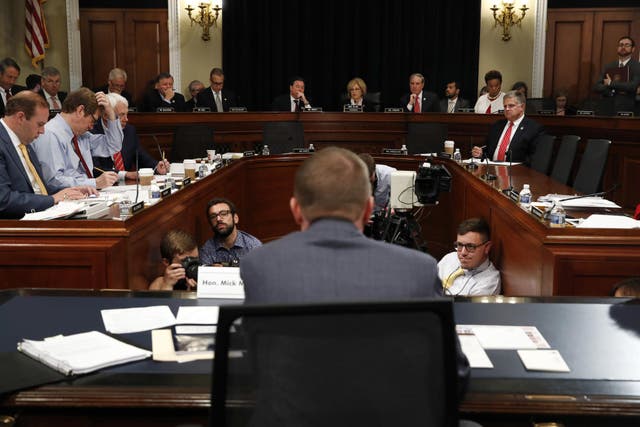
{"points": [[102, 44]]}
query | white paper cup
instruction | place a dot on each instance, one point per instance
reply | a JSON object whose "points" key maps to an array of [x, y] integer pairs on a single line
{"points": [[448, 147], [210, 155], [146, 175], [189, 168]]}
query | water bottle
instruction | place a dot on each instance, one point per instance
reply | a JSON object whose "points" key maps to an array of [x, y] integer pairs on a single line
{"points": [[457, 156], [557, 217], [154, 191], [203, 170], [525, 198], [404, 150], [311, 148], [265, 150]]}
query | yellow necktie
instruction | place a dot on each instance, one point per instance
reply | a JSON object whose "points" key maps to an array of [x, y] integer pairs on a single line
{"points": [[452, 277], [32, 169]]}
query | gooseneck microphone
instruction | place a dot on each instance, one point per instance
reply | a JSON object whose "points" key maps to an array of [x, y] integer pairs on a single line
{"points": [[510, 188], [487, 176], [598, 194], [137, 178]]}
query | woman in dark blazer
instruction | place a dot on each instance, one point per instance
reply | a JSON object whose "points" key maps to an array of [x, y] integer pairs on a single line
{"points": [[356, 91]]}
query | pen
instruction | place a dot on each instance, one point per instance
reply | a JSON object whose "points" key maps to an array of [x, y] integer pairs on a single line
{"points": [[99, 170]]}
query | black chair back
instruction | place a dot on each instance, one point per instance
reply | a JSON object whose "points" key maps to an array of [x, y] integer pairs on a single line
{"points": [[283, 137], [340, 364], [541, 160], [191, 142], [564, 160], [591, 170], [426, 137]]}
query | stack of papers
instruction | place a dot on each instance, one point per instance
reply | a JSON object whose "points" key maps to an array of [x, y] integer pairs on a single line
{"points": [[61, 210], [609, 221], [582, 202]]}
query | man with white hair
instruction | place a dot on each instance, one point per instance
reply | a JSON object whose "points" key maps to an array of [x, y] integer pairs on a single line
{"points": [[117, 83], [124, 161]]}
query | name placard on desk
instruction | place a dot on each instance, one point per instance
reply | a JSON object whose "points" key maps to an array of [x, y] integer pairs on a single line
{"points": [[393, 110], [585, 113], [165, 110], [624, 114], [220, 282], [202, 110], [351, 108], [237, 109]]}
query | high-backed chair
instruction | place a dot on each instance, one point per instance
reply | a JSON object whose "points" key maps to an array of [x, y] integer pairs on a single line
{"points": [[426, 137], [191, 142], [348, 364], [541, 160], [564, 160], [283, 137], [591, 170]]}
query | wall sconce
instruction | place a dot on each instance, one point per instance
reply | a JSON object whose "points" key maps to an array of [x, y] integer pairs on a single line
{"points": [[507, 17], [207, 17]]}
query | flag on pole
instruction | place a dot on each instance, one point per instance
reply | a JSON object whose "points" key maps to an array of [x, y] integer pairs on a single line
{"points": [[36, 38]]}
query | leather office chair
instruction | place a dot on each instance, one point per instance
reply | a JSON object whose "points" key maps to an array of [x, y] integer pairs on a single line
{"points": [[190, 142], [337, 364], [283, 137], [564, 160], [534, 105], [541, 160], [426, 137], [591, 170]]}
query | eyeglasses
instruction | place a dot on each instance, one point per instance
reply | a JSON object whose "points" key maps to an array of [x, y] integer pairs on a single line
{"points": [[511, 106], [624, 45], [470, 247], [94, 119], [221, 214]]}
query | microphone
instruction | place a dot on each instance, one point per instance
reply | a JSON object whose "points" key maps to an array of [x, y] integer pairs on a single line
{"points": [[487, 176], [137, 178], [510, 188], [598, 194]]}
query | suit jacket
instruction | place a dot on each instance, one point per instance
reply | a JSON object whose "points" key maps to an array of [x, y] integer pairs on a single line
{"points": [[190, 105], [460, 103], [429, 103], [15, 89], [367, 106], [61, 96], [130, 144], [124, 93], [206, 99], [16, 194], [523, 142], [623, 93], [283, 102], [153, 100]]}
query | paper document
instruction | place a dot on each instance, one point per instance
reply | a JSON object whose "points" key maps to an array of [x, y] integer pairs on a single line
{"points": [[475, 353], [543, 360], [491, 162], [129, 320], [609, 221], [61, 210], [198, 315], [196, 329], [81, 353], [583, 202], [164, 350], [496, 337]]}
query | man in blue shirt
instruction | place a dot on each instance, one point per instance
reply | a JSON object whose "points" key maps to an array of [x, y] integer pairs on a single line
{"points": [[228, 244]]}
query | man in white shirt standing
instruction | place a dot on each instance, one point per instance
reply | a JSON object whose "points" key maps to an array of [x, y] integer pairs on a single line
{"points": [[491, 102]]}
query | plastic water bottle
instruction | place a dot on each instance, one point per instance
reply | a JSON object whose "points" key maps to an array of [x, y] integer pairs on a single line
{"points": [[457, 156], [311, 148], [265, 150], [404, 150], [557, 217], [525, 198], [203, 170]]}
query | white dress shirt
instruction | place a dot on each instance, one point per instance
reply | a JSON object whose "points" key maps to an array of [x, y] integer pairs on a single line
{"points": [[483, 280]]}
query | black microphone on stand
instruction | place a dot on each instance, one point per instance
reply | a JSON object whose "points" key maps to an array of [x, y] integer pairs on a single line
{"points": [[487, 176], [598, 194], [137, 178], [510, 188]]}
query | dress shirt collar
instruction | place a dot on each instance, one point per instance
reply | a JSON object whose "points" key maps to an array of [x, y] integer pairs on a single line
{"points": [[479, 269], [624, 62]]}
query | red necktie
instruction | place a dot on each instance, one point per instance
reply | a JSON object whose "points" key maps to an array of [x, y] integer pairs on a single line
{"points": [[416, 105], [76, 149], [504, 143], [488, 109], [637, 214], [118, 162]]}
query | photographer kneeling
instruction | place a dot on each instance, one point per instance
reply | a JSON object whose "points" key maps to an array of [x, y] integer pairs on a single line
{"points": [[179, 252]]}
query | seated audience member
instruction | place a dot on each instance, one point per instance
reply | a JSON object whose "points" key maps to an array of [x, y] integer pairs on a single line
{"points": [[124, 162], [513, 138], [468, 270], [380, 178], [561, 105], [452, 100], [33, 82], [163, 95], [293, 101], [491, 102], [357, 91], [50, 88], [175, 246], [216, 96], [67, 147], [627, 288], [117, 83], [228, 244], [521, 87], [195, 87], [9, 73], [419, 100], [22, 188]]}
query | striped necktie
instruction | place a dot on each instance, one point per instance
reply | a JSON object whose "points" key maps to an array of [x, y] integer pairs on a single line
{"points": [[32, 169]]}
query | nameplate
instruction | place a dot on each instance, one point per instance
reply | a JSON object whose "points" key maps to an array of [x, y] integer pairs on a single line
{"points": [[132, 109], [249, 153], [546, 112], [137, 207], [513, 195], [220, 282], [164, 110], [54, 111], [500, 112], [202, 110], [237, 109], [585, 113], [351, 108], [465, 110], [624, 114], [393, 151], [393, 110], [537, 212], [186, 181], [300, 150], [312, 110], [165, 192]]}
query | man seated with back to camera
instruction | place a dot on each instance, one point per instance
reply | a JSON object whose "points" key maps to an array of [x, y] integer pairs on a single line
{"points": [[175, 247], [228, 244], [380, 178], [468, 270]]}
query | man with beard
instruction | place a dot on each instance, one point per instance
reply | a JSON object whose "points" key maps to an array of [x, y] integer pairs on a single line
{"points": [[228, 244], [453, 100]]}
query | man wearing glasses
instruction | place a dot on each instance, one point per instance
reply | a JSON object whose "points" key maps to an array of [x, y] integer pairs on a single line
{"points": [[468, 270], [66, 148], [216, 96], [228, 244], [620, 79]]}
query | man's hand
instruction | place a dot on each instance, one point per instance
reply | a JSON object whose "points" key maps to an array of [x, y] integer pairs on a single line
{"points": [[303, 98], [86, 190], [163, 167], [107, 179], [412, 99], [103, 102], [607, 80], [71, 193], [167, 94], [172, 274]]}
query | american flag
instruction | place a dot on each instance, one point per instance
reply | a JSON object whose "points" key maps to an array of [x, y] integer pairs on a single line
{"points": [[36, 38]]}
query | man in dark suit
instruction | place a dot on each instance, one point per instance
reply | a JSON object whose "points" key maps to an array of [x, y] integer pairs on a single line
{"points": [[116, 83], [195, 87], [50, 88], [215, 96], [452, 100], [22, 188], [163, 95], [419, 100], [620, 79], [9, 73], [513, 138], [293, 101]]}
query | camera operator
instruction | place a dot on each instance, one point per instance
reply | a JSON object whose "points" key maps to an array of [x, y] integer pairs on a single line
{"points": [[177, 248], [380, 177]]}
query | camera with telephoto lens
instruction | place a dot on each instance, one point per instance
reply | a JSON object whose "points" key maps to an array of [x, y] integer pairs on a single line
{"points": [[190, 265], [430, 181]]}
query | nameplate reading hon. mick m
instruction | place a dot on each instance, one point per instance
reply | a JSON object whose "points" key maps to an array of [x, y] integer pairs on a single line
{"points": [[220, 282]]}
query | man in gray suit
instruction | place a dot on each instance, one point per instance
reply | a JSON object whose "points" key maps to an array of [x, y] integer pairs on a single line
{"points": [[452, 100]]}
